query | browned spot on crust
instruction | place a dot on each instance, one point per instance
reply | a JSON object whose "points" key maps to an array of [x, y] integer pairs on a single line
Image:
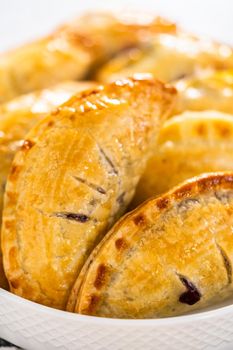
{"points": [[228, 178], [184, 191], [205, 184], [100, 276], [220, 65], [121, 244], [162, 202], [9, 224], [12, 257], [229, 211], [223, 131], [82, 96], [88, 93], [27, 145], [15, 283], [79, 39], [13, 253], [15, 170], [201, 129], [139, 220], [11, 197], [50, 123], [94, 299], [55, 111]]}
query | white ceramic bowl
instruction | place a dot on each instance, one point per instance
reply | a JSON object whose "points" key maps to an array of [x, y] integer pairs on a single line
{"points": [[36, 327]]}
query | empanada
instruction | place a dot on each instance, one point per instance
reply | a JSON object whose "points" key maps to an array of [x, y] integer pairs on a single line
{"points": [[17, 117], [188, 145], [71, 52], [168, 57], [209, 90], [171, 255], [73, 177]]}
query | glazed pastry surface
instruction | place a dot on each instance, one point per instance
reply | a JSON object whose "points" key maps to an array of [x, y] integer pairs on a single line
{"points": [[73, 177], [188, 145], [209, 90], [169, 58], [17, 117], [72, 51], [170, 256]]}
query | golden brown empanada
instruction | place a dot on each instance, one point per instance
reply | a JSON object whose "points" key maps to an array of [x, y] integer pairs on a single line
{"points": [[171, 255], [3, 280], [71, 52], [73, 177], [17, 117], [168, 57], [188, 145], [209, 90]]}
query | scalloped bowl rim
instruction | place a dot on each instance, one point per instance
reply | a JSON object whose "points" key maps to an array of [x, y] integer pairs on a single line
{"points": [[201, 315]]}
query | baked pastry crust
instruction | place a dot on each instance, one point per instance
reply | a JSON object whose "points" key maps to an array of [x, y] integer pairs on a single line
{"points": [[17, 117], [71, 52], [208, 90], [188, 145], [169, 256], [169, 58], [73, 177]]}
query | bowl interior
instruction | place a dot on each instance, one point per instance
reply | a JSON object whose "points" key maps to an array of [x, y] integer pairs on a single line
{"points": [[217, 309]]}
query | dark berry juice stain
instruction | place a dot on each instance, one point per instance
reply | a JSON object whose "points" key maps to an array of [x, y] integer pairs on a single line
{"points": [[192, 295], [73, 216]]}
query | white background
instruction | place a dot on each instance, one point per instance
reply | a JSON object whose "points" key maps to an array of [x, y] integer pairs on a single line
{"points": [[22, 20]]}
